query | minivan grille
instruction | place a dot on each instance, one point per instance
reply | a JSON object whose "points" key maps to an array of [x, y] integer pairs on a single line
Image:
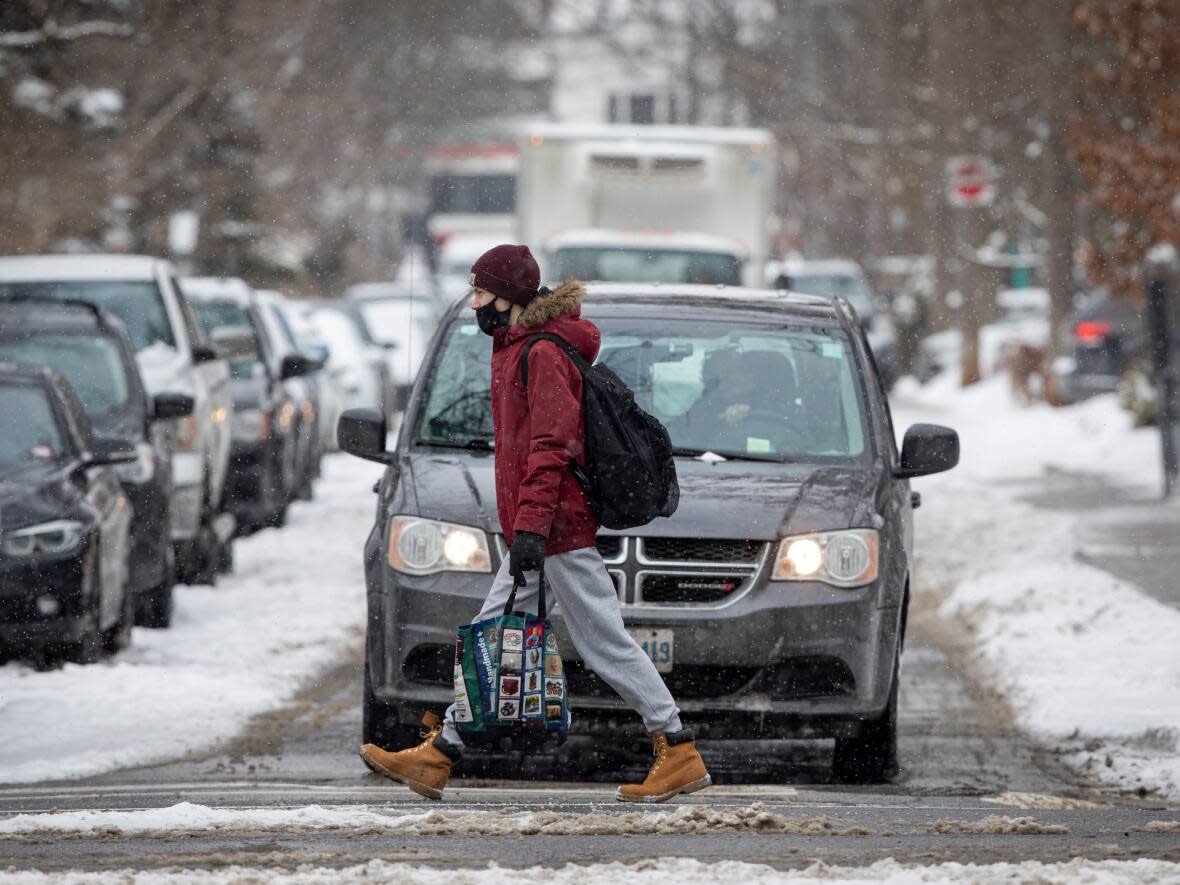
{"points": [[700, 550], [609, 546], [663, 587]]}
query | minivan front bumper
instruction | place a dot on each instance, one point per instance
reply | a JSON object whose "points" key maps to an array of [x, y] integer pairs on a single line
{"points": [[779, 660]]}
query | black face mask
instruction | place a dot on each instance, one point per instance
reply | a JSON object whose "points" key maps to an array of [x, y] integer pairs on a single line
{"points": [[490, 319]]}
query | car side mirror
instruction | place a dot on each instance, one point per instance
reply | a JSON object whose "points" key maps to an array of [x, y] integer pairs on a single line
{"points": [[361, 432], [172, 405], [203, 353], [927, 448], [109, 451], [296, 365]]}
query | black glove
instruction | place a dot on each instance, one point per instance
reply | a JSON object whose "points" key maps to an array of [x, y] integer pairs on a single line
{"points": [[526, 554]]}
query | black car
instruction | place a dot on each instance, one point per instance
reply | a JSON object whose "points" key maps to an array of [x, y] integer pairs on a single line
{"points": [[1103, 339], [65, 524], [265, 467], [90, 348], [774, 599]]}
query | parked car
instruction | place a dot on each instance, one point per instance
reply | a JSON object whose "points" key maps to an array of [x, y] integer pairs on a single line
{"points": [[329, 395], [401, 323], [774, 599], [839, 278], [1104, 338], [358, 365], [90, 348], [65, 524], [174, 357], [301, 387], [264, 467]]}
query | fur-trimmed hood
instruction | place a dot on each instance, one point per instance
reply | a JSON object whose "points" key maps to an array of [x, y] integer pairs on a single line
{"points": [[565, 299]]}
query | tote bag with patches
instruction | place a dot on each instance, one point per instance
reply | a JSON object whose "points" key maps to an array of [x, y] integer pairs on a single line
{"points": [[508, 674]]}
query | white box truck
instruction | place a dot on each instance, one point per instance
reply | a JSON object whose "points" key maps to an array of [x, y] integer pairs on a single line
{"points": [[647, 203]]}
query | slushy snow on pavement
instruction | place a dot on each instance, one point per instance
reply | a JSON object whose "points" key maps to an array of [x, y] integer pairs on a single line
{"points": [[1088, 663], [657, 871], [243, 647]]}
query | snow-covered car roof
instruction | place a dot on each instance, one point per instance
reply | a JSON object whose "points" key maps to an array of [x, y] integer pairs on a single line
{"points": [[646, 240], [689, 291], [36, 268], [648, 134], [232, 288]]}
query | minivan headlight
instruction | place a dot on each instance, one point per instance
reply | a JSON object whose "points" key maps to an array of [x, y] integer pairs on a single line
{"points": [[54, 538], [842, 559], [426, 546]]}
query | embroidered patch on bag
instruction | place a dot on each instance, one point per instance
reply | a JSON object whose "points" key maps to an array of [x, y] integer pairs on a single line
{"points": [[554, 689], [553, 710], [510, 662], [532, 705], [532, 659], [550, 643], [532, 680], [512, 640], [553, 665]]}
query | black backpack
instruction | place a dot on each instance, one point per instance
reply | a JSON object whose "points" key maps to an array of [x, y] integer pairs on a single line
{"points": [[630, 475]]}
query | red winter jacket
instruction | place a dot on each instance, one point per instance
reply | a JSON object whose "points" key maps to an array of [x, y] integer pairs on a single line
{"points": [[540, 431]]}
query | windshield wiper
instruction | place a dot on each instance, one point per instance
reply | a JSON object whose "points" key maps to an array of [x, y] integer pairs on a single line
{"points": [[730, 456], [477, 444]]}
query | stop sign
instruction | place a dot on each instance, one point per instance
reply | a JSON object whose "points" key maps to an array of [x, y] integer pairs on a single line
{"points": [[970, 182]]}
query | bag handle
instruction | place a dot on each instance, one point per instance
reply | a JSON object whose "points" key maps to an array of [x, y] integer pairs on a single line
{"points": [[570, 351], [517, 583]]}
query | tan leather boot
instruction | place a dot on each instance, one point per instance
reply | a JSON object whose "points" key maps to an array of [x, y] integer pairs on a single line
{"points": [[424, 768], [678, 768]]}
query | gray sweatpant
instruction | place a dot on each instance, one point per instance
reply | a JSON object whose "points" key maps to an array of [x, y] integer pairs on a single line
{"points": [[577, 585]]}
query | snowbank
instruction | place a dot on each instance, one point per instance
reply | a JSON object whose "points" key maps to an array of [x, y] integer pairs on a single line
{"points": [[235, 650], [1088, 663], [657, 871]]}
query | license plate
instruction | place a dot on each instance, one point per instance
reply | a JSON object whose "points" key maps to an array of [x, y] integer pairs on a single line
{"points": [[657, 645]]}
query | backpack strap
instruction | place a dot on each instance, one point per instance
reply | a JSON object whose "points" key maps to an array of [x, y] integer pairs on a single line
{"points": [[570, 351]]}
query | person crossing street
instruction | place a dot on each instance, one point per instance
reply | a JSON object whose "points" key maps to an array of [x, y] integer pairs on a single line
{"points": [[547, 521]]}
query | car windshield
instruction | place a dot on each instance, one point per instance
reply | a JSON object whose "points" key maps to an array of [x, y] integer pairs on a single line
{"points": [[92, 365], [37, 436], [138, 304], [214, 314], [622, 265], [760, 391]]}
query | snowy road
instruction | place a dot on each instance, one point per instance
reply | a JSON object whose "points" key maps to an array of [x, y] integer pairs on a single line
{"points": [[984, 780]]}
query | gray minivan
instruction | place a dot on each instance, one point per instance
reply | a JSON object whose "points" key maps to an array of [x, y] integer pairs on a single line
{"points": [[773, 600]]}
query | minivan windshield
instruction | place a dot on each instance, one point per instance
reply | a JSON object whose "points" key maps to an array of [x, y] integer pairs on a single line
{"points": [[614, 264], [760, 392], [138, 304]]}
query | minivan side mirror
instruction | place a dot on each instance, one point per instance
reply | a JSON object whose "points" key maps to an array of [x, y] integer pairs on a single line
{"points": [[361, 432], [927, 448], [171, 405], [296, 365], [109, 451]]}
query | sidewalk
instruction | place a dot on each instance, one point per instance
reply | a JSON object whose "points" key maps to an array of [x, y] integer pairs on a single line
{"points": [[1120, 530]]}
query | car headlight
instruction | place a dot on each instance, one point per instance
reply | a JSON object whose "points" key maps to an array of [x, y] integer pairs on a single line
{"points": [[425, 546], [56, 537], [251, 424], [842, 559], [143, 468]]}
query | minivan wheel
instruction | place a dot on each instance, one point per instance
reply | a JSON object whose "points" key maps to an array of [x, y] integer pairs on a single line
{"points": [[154, 607], [381, 724], [870, 758]]}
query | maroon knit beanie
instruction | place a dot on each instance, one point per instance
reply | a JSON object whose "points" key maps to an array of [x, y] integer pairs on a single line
{"points": [[508, 272]]}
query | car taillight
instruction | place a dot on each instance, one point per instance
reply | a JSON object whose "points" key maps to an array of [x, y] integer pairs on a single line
{"points": [[1092, 332]]}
